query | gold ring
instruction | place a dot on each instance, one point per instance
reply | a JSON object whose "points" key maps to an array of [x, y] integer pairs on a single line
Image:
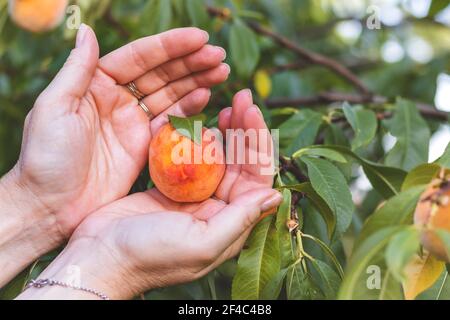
{"points": [[135, 91], [146, 109]]}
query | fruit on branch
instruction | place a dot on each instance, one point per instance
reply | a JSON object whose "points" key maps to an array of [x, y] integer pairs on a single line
{"points": [[37, 15], [183, 170], [433, 213]]}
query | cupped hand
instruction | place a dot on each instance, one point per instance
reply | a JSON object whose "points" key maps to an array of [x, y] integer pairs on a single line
{"points": [[146, 240], [86, 139]]}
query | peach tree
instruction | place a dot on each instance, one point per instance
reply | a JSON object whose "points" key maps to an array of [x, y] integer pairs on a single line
{"points": [[365, 211]]}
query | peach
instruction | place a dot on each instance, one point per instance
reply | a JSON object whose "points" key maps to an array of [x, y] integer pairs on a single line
{"points": [[37, 15], [433, 212], [193, 178]]}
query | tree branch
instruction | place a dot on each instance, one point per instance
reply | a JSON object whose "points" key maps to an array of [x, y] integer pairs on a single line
{"points": [[426, 110], [303, 53], [288, 165]]}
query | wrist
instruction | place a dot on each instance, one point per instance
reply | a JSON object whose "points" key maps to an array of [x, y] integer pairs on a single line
{"points": [[28, 228], [86, 263]]}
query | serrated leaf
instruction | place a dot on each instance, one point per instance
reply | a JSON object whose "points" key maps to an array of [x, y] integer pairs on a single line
{"points": [[329, 279], [400, 251], [331, 185], [258, 263], [386, 180], [364, 123], [396, 211], [326, 153], [420, 175], [421, 273], [413, 136], [299, 131], [318, 202], [244, 49], [263, 83], [284, 236], [273, 288], [187, 127], [300, 285], [367, 254]]}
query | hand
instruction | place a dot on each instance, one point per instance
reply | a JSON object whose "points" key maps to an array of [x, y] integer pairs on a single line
{"points": [[146, 241], [86, 140]]}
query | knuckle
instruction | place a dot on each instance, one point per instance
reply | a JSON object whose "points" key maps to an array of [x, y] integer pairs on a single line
{"points": [[138, 59]]}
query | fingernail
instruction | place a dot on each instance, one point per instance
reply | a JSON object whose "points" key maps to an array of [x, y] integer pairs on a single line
{"points": [[257, 109], [81, 35], [224, 53], [228, 67], [248, 92], [272, 202], [206, 35]]}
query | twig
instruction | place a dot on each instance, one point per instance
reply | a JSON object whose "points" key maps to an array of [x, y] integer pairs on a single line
{"points": [[323, 98], [305, 54], [290, 166]]}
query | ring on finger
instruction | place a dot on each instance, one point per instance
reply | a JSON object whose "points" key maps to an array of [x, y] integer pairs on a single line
{"points": [[146, 109], [135, 91]]}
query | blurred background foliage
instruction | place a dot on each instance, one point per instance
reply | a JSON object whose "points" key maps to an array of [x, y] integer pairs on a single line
{"points": [[299, 92]]}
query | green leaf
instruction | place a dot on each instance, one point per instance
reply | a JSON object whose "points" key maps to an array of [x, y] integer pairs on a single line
{"points": [[318, 202], [396, 211], [244, 49], [300, 285], [258, 263], [299, 131], [326, 153], [437, 6], [329, 279], [187, 126], [284, 236], [444, 160], [420, 175], [386, 180], [273, 288], [413, 136], [354, 285], [401, 250], [197, 12], [330, 184], [328, 253], [157, 16], [364, 124]]}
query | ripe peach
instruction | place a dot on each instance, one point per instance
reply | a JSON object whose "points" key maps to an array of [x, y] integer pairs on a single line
{"points": [[37, 15], [433, 212], [194, 179]]}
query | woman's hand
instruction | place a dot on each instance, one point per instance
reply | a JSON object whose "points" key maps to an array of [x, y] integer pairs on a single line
{"points": [[146, 241], [86, 139]]}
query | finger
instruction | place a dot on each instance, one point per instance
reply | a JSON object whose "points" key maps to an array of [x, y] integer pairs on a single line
{"points": [[191, 104], [224, 120], [168, 95], [262, 151], [206, 58], [241, 102], [73, 80], [138, 57], [231, 222]]}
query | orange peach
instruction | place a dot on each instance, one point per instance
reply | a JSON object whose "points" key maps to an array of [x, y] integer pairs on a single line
{"points": [[432, 213], [185, 171], [37, 15]]}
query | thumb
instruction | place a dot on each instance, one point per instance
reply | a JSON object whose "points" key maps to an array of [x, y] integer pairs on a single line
{"points": [[73, 80], [232, 221]]}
